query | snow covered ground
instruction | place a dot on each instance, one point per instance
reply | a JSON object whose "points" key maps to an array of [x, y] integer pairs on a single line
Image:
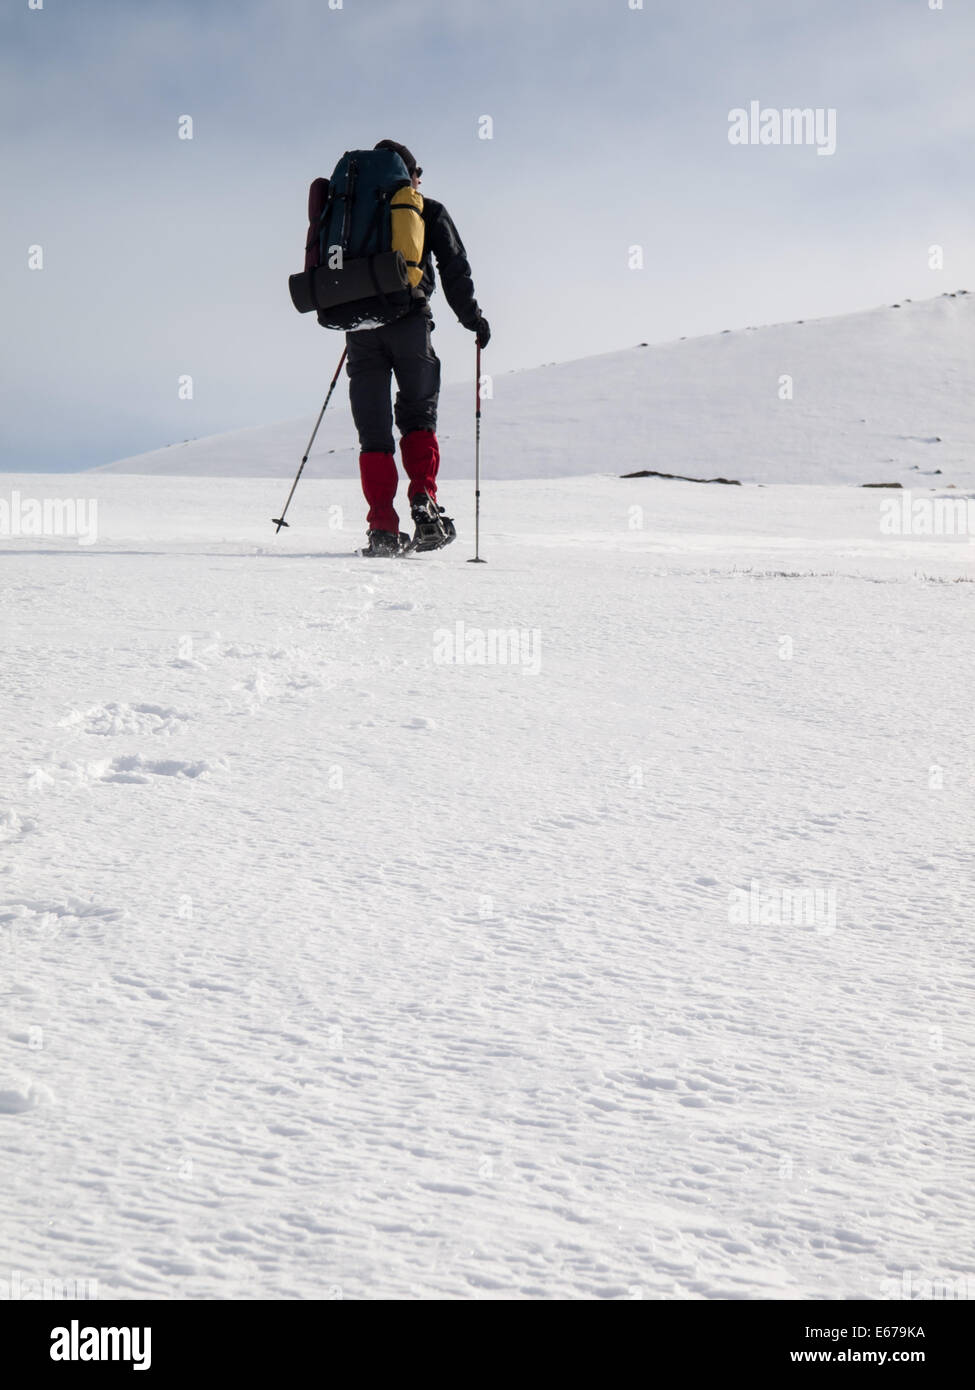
{"points": [[338, 963]]}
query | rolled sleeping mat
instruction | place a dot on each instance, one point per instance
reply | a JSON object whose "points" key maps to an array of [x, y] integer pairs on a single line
{"points": [[322, 288]]}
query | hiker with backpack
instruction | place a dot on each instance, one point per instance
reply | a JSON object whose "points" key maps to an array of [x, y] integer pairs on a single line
{"points": [[372, 238]]}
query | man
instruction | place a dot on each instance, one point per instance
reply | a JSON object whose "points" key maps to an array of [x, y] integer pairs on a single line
{"points": [[404, 349]]}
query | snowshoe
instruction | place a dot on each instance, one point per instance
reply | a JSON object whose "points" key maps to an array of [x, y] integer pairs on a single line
{"points": [[433, 529], [384, 543]]}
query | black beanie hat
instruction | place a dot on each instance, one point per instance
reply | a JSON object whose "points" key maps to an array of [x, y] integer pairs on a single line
{"points": [[403, 152]]}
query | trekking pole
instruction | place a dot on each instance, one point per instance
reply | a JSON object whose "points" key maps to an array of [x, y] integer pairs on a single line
{"points": [[476, 557], [279, 521]]}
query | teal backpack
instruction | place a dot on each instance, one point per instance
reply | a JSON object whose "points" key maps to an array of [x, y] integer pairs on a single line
{"points": [[365, 243]]}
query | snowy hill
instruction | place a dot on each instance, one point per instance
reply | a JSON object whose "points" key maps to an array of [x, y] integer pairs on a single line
{"points": [[879, 396]]}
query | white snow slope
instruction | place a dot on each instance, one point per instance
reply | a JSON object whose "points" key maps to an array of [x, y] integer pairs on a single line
{"points": [[330, 967], [880, 396]]}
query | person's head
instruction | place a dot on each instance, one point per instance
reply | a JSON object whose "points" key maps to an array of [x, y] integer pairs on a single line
{"points": [[412, 168]]}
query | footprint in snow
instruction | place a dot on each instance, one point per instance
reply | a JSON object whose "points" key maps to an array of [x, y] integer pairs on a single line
{"points": [[419, 722], [114, 718], [136, 768], [19, 1094], [13, 825], [50, 918], [131, 768], [246, 651]]}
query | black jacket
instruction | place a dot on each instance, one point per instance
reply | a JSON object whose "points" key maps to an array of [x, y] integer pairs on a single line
{"points": [[442, 240]]}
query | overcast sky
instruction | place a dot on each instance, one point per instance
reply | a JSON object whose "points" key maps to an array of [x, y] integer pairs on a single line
{"points": [[165, 257]]}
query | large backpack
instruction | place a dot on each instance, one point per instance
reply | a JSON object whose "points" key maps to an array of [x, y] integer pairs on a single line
{"points": [[365, 243]]}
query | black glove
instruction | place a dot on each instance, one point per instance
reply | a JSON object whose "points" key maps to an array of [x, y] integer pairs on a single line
{"points": [[483, 331]]}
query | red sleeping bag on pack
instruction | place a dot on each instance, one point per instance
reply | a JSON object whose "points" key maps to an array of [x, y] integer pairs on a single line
{"points": [[317, 197]]}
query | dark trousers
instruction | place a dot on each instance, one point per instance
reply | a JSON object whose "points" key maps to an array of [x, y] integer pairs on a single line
{"points": [[402, 349]]}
